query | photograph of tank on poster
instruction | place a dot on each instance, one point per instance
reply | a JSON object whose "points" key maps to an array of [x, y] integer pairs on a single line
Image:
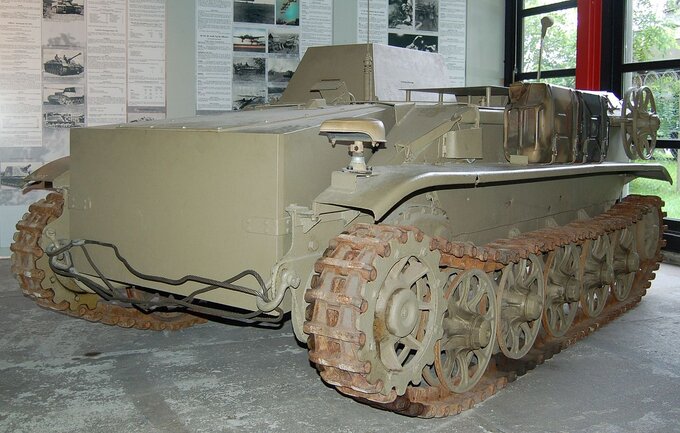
{"points": [[427, 15], [12, 174], [63, 9], [60, 95], [254, 11], [62, 62], [400, 14], [61, 118], [249, 40], [249, 69], [283, 42], [281, 70], [248, 96], [288, 12], [414, 42]]}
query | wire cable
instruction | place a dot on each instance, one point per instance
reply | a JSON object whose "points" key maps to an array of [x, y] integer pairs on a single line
{"points": [[108, 291]]}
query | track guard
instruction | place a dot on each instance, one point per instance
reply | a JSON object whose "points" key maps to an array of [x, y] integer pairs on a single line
{"points": [[49, 177]]}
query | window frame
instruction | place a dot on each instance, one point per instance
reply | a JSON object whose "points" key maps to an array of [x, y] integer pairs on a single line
{"points": [[514, 16], [614, 15], [617, 9], [612, 67]]}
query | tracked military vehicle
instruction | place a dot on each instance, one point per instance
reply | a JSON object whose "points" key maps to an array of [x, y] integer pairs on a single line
{"points": [[428, 250], [68, 96], [63, 66], [67, 7]]}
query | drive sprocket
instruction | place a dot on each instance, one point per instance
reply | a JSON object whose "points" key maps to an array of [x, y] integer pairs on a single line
{"points": [[376, 309]]}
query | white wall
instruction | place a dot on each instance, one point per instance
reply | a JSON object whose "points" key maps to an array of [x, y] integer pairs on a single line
{"points": [[9, 216], [181, 57], [485, 42], [344, 22]]}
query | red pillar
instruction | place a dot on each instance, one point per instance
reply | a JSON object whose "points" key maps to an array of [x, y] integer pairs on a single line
{"points": [[589, 44]]}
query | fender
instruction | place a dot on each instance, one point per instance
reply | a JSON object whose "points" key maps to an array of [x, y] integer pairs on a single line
{"points": [[387, 186], [49, 177]]}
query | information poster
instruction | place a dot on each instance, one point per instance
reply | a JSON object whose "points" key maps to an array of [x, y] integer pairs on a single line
{"points": [[266, 39], [214, 61], [453, 15], [20, 95], [64, 69], [68, 64], [266, 45], [372, 20], [146, 60], [436, 26], [316, 24], [106, 62]]}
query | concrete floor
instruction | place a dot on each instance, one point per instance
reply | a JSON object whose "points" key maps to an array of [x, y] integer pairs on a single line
{"points": [[59, 374]]}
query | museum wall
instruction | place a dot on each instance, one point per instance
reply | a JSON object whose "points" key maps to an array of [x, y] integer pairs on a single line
{"points": [[181, 58], [485, 42], [483, 34]]}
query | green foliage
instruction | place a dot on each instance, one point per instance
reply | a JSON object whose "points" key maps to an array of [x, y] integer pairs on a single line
{"points": [[561, 81], [653, 37], [664, 190], [559, 45], [652, 34], [666, 89]]}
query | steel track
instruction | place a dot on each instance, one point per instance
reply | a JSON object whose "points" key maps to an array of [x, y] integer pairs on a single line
{"points": [[26, 251], [335, 302]]}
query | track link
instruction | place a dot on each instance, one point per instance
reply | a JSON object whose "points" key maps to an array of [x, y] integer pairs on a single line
{"points": [[26, 251], [346, 266]]}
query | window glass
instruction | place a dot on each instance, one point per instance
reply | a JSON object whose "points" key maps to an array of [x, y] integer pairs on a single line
{"points": [[665, 86], [559, 46], [561, 81], [652, 31], [669, 193], [535, 3]]}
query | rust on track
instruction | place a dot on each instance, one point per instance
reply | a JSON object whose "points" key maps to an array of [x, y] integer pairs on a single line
{"points": [[335, 302], [26, 251]]}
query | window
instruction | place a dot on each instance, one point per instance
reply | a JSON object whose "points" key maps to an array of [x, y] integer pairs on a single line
{"points": [[558, 65], [651, 57], [640, 47]]}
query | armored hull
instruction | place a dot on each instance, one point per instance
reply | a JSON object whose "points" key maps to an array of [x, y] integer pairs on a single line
{"points": [[455, 248]]}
